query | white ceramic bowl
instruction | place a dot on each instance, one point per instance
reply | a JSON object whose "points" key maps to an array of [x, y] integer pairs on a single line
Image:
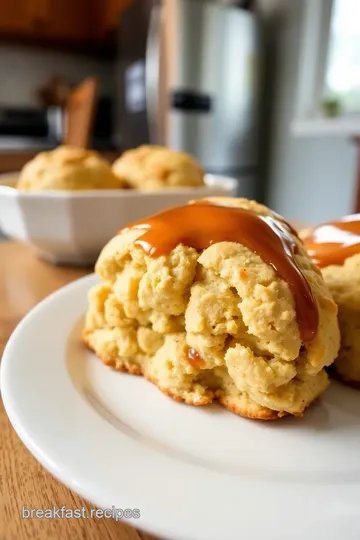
{"points": [[72, 227]]}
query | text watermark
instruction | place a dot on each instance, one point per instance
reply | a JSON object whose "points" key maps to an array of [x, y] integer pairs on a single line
{"points": [[63, 512]]}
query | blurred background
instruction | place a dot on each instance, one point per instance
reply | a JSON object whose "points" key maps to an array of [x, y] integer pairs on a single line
{"points": [[266, 91]]}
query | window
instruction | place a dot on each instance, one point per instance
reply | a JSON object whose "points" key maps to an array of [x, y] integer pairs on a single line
{"points": [[329, 68], [342, 75]]}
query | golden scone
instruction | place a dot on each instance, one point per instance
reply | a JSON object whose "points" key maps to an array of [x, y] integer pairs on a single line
{"points": [[218, 322], [157, 167], [335, 247], [68, 168]]}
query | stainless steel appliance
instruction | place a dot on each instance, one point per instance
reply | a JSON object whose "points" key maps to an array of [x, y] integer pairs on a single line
{"points": [[188, 74]]}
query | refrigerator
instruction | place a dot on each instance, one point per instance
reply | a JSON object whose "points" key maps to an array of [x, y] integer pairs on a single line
{"points": [[188, 75]]}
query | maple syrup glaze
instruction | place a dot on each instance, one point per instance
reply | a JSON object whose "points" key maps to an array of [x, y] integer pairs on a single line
{"points": [[194, 358], [333, 242], [202, 224]]}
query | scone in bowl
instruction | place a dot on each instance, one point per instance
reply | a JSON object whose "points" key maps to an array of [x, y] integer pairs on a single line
{"points": [[72, 227]]}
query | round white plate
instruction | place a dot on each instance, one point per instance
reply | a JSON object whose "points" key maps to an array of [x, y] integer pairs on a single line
{"points": [[194, 473]]}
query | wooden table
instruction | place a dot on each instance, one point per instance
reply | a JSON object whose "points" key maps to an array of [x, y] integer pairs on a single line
{"points": [[23, 482]]}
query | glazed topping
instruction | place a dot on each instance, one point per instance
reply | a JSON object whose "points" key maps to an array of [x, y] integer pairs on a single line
{"points": [[201, 224], [194, 358], [332, 243]]}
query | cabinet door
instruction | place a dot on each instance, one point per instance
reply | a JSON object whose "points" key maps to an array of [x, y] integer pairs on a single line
{"points": [[70, 19], [15, 16], [66, 20]]}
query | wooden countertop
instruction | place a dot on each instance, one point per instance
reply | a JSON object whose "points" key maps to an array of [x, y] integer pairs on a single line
{"points": [[23, 481]]}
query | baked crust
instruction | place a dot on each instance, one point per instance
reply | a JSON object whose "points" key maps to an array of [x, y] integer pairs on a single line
{"points": [[156, 167], [227, 304], [344, 284], [70, 169], [245, 410]]}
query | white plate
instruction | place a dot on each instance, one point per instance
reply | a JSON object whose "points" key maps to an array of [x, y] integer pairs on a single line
{"points": [[194, 473]]}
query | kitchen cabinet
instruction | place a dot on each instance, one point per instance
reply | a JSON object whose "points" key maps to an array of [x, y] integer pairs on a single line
{"points": [[57, 20], [65, 22], [15, 16]]}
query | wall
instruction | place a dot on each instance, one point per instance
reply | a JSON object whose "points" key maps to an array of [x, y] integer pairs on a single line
{"points": [[24, 69], [310, 179]]}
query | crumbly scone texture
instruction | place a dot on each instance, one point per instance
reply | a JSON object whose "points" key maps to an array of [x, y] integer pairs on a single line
{"points": [[68, 168], [227, 304], [156, 167], [344, 284]]}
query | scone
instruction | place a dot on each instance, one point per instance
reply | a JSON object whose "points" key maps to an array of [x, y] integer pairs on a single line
{"points": [[68, 168], [157, 167], [216, 300], [335, 247]]}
